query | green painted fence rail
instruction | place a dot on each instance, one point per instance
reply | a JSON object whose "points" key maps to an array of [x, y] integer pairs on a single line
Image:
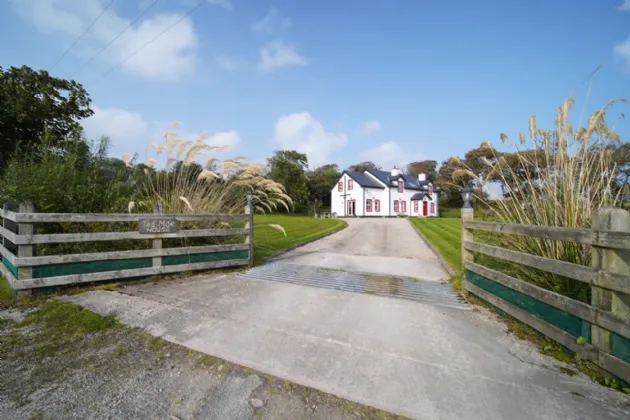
{"points": [[26, 271], [604, 324]]}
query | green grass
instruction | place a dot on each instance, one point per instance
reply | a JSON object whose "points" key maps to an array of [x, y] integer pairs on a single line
{"points": [[7, 294], [299, 229], [445, 235]]}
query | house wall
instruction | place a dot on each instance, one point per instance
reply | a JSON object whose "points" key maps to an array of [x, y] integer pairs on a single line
{"points": [[387, 196], [338, 203]]}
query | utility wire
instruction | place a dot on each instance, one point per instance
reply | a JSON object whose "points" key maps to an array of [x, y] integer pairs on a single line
{"points": [[114, 67], [114, 39], [81, 36]]}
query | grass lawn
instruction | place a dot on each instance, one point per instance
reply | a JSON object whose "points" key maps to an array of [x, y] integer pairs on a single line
{"points": [[445, 235], [299, 229]]}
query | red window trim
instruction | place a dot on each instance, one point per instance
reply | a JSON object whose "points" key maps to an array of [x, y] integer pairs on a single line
{"points": [[415, 206], [350, 184], [432, 211], [401, 185], [377, 205], [340, 186], [396, 206], [368, 205], [431, 189]]}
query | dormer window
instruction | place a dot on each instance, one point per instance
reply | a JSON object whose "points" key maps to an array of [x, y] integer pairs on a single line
{"points": [[430, 189], [401, 186], [350, 184]]}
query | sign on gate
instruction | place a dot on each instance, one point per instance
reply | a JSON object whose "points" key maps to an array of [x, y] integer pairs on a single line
{"points": [[158, 225]]}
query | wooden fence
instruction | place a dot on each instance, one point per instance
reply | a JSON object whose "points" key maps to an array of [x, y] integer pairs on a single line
{"points": [[600, 332], [25, 270]]}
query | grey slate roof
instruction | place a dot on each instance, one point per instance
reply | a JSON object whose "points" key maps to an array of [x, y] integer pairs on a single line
{"points": [[363, 180], [419, 196], [411, 182]]}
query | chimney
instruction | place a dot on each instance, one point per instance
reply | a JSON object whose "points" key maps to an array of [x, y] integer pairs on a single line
{"points": [[395, 172], [422, 177]]}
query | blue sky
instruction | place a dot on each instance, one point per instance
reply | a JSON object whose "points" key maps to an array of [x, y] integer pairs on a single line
{"points": [[343, 81]]}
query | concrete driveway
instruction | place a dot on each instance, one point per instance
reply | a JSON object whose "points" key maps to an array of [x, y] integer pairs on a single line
{"points": [[417, 359], [384, 246]]}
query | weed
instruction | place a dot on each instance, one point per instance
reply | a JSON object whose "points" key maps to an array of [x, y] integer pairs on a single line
{"points": [[566, 371]]}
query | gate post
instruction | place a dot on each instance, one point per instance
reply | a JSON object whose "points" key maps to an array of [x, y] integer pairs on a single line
{"points": [[249, 210], [25, 229], [614, 261], [157, 243], [467, 234]]}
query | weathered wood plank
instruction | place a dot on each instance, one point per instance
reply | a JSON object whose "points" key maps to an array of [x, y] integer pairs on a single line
{"points": [[25, 229], [581, 310], [120, 274], [118, 217], [8, 275], [587, 350], [8, 255], [602, 238], [590, 352], [8, 214], [115, 236], [611, 281], [1, 212], [121, 255], [8, 234], [466, 234]]}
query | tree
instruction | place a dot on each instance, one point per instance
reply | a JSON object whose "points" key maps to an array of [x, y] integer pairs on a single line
{"points": [[33, 103], [449, 188], [427, 167], [321, 180], [364, 166], [288, 168]]}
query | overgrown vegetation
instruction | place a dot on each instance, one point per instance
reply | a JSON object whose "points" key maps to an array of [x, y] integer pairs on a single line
{"points": [[559, 178]]}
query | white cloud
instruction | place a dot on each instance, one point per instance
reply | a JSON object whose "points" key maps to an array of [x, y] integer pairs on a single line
{"points": [[625, 6], [168, 58], [390, 154], [302, 132], [369, 128], [129, 132], [277, 54], [622, 50], [228, 63], [272, 22]]}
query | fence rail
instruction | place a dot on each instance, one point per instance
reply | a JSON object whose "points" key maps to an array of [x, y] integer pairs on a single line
{"points": [[604, 324], [26, 270]]}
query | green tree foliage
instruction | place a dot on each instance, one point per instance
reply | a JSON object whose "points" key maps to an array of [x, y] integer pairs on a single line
{"points": [[321, 180], [74, 178], [33, 103], [364, 166], [427, 167], [288, 168], [621, 159], [449, 189]]}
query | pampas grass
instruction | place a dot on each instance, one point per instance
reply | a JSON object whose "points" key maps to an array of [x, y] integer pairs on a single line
{"points": [[559, 178], [188, 179]]}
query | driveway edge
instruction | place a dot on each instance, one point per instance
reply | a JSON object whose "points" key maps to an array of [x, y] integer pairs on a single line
{"points": [[291, 248], [450, 270]]}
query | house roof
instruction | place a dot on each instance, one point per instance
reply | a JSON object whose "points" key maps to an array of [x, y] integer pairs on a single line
{"points": [[411, 182], [363, 180], [419, 196]]}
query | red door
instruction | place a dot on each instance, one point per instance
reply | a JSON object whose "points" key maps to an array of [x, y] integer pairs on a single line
{"points": [[425, 208]]}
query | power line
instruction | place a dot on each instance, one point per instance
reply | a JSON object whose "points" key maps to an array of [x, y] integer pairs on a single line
{"points": [[81, 36], [114, 39], [114, 67]]}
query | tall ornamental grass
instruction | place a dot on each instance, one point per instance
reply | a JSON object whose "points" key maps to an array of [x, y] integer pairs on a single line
{"points": [[555, 178], [184, 178]]}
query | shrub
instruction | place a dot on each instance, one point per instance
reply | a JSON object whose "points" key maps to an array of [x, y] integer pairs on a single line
{"points": [[561, 178]]}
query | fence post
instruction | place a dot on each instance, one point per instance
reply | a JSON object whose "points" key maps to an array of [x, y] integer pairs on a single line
{"points": [[249, 209], [614, 261], [467, 234], [27, 229], [157, 243]]}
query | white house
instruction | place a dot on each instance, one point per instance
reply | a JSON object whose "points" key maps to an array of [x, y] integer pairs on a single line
{"points": [[383, 194]]}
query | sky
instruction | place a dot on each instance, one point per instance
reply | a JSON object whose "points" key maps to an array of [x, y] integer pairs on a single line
{"points": [[343, 81]]}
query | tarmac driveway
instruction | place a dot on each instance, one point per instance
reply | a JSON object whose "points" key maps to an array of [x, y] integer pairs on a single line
{"points": [[418, 359]]}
